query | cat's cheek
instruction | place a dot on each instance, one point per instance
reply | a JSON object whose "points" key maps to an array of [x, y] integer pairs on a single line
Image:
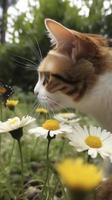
{"points": [[65, 101], [58, 100]]}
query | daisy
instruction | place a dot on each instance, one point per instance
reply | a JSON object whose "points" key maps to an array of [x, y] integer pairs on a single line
{"points": [[70, 118], [15, 126], [15, 123], [51, 126], [92, 139]]}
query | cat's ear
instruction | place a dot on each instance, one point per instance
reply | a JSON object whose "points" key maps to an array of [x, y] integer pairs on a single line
{"points": [[57, 32], [77, 44]]}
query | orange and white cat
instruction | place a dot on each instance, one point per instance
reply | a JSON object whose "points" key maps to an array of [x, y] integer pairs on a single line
{"points": [[77, 73]]}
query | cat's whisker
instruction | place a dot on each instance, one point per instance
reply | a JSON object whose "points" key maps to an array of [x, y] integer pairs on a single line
{"points": [[46, 107], [25, 64], [38, 50], [35, 51], [35, 48], [25, 59], [53, 113], [60, 105], [34, 106]]}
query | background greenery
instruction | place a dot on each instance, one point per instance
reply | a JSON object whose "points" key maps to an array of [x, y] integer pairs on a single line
{"points": [[20, 57]]}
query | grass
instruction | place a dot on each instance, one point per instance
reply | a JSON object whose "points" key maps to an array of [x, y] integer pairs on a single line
{"points": [[34, 159]]}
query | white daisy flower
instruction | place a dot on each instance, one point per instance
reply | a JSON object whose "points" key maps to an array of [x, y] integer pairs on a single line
{"points": [[15, 123], [52, 126], [92, 139], [70, 118]]}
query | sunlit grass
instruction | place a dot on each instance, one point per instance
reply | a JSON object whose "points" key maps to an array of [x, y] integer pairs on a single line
{"points": [[35, 165]]}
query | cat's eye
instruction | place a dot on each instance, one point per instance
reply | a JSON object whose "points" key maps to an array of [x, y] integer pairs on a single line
{"points": [[46, 77], [63, 79]]}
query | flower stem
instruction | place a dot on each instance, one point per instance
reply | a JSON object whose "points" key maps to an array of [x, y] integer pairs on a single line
{"points": [[48, 167], [21, 160], [11, 153]]}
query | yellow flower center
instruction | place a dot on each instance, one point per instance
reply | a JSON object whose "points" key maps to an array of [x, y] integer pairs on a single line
{"points": [[93, 141], [51, 125], [2, 90], [41, 110]]}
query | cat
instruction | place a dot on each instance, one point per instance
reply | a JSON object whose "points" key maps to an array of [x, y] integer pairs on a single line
{"points": [[77, 73]]}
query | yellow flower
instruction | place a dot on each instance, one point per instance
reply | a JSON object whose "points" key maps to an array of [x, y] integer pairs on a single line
{"points": [[51, 124], [77, 175], [11, 103], [41, 110]]}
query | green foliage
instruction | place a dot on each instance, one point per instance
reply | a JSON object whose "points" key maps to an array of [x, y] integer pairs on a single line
{"points": [[29, 32], [13, 70]]}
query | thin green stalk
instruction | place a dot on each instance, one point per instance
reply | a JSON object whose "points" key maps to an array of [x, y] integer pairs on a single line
{"points": [[65, 193], [66, 197], [11, 153], [48, 168], [54, 189], [44, 191], [21, 161], [56, 182]]}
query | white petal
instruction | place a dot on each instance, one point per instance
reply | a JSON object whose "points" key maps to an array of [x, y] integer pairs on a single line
{"points": [[27, 120], [92, 152], [38, 131]]}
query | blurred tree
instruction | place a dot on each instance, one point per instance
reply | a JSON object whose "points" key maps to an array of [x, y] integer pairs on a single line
{"points": [[4, 4], [29, 33]]}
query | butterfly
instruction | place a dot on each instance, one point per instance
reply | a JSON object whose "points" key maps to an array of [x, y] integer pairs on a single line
{"points": [[5, 91]]}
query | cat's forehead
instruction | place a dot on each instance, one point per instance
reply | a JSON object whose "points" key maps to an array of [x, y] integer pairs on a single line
{"points": [[55, 62]]}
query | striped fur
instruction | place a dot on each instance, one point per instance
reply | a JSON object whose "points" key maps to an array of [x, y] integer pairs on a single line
{"points": [[74, 68]]}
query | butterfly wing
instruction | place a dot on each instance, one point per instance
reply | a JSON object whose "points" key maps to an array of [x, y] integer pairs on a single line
{"points": [[5, 90]]}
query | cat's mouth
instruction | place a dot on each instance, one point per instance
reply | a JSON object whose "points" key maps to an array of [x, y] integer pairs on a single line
{"points": [[48, 102]]}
